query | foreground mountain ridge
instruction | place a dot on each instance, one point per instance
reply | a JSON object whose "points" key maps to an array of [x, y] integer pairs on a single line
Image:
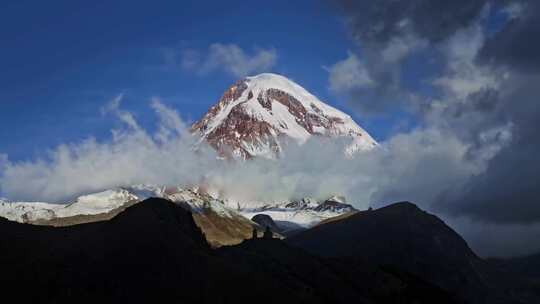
{"points": [[403, 236], [154, 250], [395, 254]]}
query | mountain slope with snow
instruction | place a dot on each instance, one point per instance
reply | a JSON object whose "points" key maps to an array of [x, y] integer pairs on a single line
{"points": [[90, 204], [304, 213], [257, 115], [231, 217], [220, 224]]}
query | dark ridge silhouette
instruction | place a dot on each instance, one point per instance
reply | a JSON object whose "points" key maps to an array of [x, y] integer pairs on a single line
{"points": [[402, 236], [521, 275], [264, 221], [153, 251], [333, 280], [526, 265]]}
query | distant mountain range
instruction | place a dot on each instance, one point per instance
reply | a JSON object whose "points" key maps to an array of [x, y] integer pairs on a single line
{"points": [[223, 222]]}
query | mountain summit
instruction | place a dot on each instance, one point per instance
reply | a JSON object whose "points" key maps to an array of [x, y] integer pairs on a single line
{"points": [[257, 115]]}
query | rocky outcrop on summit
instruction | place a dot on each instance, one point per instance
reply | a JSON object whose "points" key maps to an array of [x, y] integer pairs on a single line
{"points": [[258, 115]]}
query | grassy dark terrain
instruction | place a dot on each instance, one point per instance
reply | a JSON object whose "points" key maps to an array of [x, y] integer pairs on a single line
{"points": [[154, 251], [403, 237]]}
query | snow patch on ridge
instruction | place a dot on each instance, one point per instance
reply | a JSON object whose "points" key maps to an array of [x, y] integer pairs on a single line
{"points": [[91, 204]]}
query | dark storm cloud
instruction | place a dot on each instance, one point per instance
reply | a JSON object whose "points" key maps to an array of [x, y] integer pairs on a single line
{"points": [[388, 32], [379, 21], [508, 191], [517, 46], [482, 110]]}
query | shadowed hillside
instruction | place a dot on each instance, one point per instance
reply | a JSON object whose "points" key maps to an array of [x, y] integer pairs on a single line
{"points": [[153, 250], [401, 236]]}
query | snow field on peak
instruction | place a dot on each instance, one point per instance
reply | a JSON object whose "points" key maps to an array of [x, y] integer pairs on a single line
{"points": [[283, 119]]}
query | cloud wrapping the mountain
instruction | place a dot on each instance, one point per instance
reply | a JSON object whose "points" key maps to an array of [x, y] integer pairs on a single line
{"points": [[229, 58], [169, 157], [131, 156]]}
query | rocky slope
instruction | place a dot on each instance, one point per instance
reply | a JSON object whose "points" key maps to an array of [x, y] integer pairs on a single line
{"points": [[258, 115]]}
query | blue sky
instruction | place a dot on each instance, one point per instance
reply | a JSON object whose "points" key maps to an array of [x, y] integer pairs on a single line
{"points": [[61, 61]]}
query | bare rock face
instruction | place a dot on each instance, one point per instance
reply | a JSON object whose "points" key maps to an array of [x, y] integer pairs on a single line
{"points": [[256, 116]]}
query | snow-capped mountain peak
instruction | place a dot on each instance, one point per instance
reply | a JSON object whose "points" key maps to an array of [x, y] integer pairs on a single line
{"points": [[257, 114]]}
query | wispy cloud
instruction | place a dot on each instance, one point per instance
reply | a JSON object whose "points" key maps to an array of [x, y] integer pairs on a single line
{"points": [[229, 58], [113, 107], [349, 74]]}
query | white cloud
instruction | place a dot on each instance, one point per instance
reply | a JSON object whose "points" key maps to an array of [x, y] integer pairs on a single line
{"points": [[399, 47], [231, 59], [463, 76], [4, 161], [167, 157], [416, 166], [171, 124], [373, 83], [114, 107], [349, 74], [131, 156]]}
